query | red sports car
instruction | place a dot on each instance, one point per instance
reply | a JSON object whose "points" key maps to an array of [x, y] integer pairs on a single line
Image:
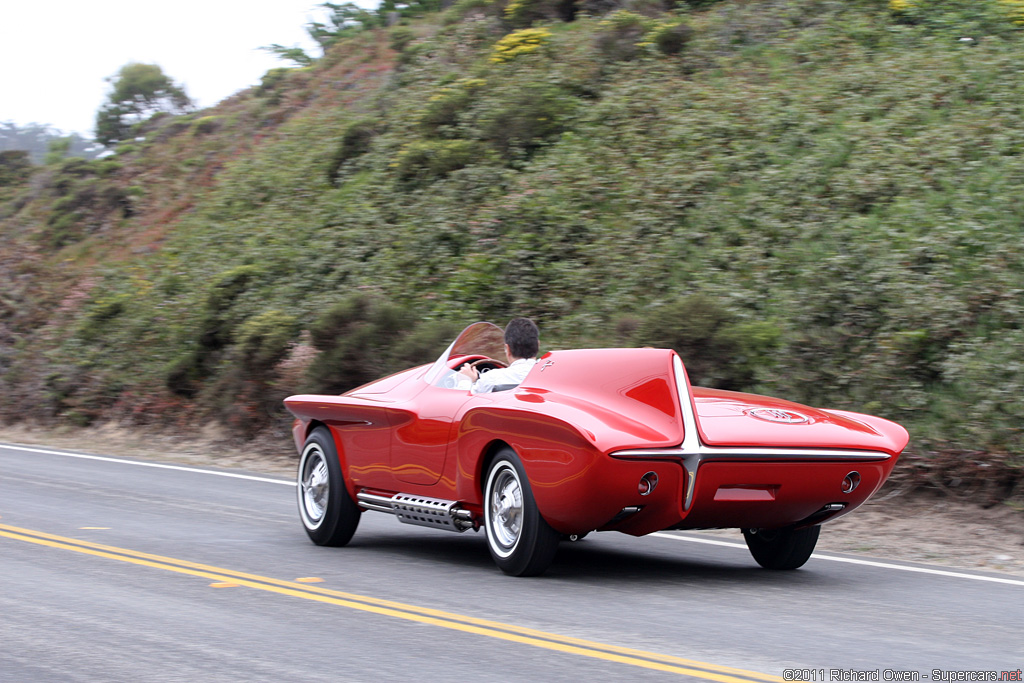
{"points": [[592, 440]]}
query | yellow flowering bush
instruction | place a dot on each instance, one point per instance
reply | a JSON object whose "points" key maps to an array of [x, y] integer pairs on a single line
{"points": [[1013, 9], [519, 43]]}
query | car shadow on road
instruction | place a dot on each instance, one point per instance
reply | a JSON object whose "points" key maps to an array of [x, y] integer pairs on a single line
{"points": [[608, 564], [594, 560]]}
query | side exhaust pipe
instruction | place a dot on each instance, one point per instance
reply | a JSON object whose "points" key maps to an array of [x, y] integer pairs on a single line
{"points": [[421, 511]]}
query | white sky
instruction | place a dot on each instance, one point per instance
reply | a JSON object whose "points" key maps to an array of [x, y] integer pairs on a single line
{"points": [[55, 54]]}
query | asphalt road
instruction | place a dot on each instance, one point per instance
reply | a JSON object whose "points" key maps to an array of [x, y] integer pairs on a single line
{"points": [[118, 570]]}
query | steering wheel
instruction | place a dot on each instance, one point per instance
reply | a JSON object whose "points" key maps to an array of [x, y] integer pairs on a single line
{"points": [[487, 364]]}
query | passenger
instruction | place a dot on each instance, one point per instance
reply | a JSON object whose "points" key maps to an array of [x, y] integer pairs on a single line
{"points": [[522, 341]]}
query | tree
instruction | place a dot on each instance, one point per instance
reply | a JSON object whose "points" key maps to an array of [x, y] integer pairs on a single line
{"points": [[343, 21], [295, 54], [140, 90]]}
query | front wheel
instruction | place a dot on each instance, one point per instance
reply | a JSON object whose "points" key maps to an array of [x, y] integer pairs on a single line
{"points": [[328, 513], [520, 541], [781, 548]]}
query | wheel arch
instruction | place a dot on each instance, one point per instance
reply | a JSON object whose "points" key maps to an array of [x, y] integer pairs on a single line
{"points": [[312, 426], [490, 452]]}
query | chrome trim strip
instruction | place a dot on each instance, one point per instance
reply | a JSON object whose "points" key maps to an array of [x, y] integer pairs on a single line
{"points": [[691, 446], [691, 437], [720, 453]]}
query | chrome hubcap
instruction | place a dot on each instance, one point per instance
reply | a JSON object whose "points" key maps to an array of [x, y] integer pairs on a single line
{"points": [[315, 483], [506, 508]]}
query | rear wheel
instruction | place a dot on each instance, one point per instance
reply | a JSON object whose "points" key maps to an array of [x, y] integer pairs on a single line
{"points": [[520, 541], [328, 513], [781, 548]]}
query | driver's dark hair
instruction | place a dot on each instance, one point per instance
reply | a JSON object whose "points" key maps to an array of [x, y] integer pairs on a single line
{"points": [[522, 337]]}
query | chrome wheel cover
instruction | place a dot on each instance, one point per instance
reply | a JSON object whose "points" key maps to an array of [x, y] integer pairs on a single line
{"points": [[504, 509], [314, 485]]}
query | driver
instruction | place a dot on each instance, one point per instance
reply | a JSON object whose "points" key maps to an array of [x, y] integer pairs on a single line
{"points": [[522, 341]]}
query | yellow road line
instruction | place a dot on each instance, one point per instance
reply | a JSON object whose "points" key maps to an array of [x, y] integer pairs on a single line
{"points": [[425, 615]]}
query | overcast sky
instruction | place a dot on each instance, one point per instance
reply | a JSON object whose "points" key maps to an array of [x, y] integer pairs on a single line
{"points": [[55, 54]]}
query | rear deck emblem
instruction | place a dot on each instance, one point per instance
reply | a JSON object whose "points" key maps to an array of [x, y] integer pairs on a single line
{"points": [[778, 415]]}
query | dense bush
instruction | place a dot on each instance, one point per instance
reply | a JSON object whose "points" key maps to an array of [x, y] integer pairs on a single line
{"points": [[520, 117], [960, 20], [719, 349], [423, 162], [355, 142], [620, 35], [86, 198], [523, 13], [14, 167], [354, 338], [441, 114]]}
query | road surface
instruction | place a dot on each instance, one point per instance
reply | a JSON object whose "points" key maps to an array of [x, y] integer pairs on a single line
{"points": [[114, 569]]}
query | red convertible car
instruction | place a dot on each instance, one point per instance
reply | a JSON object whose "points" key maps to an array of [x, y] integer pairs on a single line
{"points": [[591, 440]]}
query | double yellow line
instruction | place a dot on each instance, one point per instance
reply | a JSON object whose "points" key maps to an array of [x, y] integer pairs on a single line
{"points": [[423, 615]]}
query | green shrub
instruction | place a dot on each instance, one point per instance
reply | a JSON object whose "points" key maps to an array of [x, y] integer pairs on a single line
{"points": [[101, 314], [401, 37], [718, 349], [961, 19], [522, 13], [1014, 10], [423, 344], [620, 35], [263, 341], [15, 167], [354, 338], [206, 125], [983, 406], [464, 8], [427, 160], [271, 82], [520, 117], [84, 200], [63, 227], [443, 108], [355, 142], [217, 324], [670, 37], [108, 168], [183, 376]]}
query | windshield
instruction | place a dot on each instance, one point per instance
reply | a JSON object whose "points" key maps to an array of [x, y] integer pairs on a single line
{"points": [[479, 339]]}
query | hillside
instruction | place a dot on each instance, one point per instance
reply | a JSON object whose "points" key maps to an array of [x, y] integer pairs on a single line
{"points": [[816, 199]]}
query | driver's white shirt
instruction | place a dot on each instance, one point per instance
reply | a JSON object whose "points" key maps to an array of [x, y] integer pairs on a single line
{"points": [[513, 374]]}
